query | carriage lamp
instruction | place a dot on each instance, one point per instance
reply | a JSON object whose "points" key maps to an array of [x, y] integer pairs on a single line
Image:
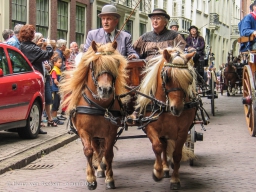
{"points": [[198, 136], [247, 100]]}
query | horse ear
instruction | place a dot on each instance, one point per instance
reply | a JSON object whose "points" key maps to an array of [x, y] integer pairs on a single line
{"points": [[190, 55], [166, 55], [94, 46], [114, 44]]}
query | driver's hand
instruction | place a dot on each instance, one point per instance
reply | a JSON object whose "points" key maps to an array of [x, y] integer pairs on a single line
{"points": [[132, 56]]}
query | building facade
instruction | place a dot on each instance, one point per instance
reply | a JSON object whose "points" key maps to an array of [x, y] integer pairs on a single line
{"points": [[55, 19], [217, 20]]}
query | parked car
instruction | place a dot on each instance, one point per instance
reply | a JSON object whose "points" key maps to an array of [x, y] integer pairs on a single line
{"points": [[21, 93]]}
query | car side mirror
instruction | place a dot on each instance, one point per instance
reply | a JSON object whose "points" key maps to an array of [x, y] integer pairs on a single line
{"points": [[1, 72]]}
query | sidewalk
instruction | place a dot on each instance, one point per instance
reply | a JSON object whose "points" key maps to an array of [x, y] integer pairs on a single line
{"points": [[16, 152]]}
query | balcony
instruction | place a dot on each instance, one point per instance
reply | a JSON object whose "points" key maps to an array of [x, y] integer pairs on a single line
{"points": [[214, 21], [234, 32]]}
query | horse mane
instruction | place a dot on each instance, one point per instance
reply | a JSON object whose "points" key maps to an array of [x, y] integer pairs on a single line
{"points": [[185, 78], [73, 83]]}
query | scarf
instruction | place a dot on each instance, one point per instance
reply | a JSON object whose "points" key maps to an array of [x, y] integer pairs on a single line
{"points": [[253, 15], [57, 69]]}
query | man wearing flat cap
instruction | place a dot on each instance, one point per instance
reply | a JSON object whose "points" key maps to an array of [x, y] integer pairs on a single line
{"points": [[147, 46], [106, 34]]}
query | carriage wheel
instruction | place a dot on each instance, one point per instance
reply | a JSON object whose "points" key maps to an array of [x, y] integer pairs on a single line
{"points": [[249, 94]]}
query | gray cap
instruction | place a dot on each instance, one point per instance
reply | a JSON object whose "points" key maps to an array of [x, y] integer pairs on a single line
{"points": [[109, 10], [174, 23]]}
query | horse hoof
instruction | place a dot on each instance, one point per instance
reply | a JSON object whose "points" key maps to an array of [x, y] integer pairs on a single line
{"points": [[92, 186], [103, 166], [175, 186], [100, 174], [110, 185], [155, 178], [166, 174]]}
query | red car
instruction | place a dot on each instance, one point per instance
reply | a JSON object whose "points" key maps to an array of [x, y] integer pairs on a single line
{"points": [[21, 93]]}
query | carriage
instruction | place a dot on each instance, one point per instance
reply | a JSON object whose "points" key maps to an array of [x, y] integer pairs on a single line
{"points": [[231, 76], [248, 83], [168, 107]]}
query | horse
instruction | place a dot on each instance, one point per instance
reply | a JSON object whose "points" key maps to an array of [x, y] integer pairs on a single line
{"points": [[91, 93], [170, 83], [229, 77]]}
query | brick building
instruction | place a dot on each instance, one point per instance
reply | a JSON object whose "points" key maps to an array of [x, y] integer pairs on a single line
{"points": [[56, 19]]}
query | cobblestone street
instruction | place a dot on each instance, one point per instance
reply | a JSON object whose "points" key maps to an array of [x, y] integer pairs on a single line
{"points": [[225, 161]]}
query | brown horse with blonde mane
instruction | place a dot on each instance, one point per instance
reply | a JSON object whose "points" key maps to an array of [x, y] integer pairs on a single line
{"points": [[171, 80], [91, 93]]}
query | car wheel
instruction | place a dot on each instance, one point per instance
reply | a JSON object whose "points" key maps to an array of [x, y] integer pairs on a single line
{"points": [[30, 131]]}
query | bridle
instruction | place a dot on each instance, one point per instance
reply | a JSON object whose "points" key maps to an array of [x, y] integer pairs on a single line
{"points": [[95, 80], [164, 77]]}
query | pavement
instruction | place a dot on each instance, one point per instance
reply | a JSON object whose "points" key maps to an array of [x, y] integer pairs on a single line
{"points": [[16, 153], [225, 161]]}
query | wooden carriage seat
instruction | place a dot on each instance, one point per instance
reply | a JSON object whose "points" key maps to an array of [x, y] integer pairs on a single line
{"points": [[252, 57], [244, 39], [134, 69]]}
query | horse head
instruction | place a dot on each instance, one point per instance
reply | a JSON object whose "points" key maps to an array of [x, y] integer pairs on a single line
{"points": [[103, 70], [177, 78]]}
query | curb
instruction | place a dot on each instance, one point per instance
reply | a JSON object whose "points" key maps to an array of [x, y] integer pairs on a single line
{"points": [[21, 160]]}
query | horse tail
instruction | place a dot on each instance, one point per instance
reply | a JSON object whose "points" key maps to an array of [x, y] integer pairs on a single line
{"points": [[187, 153]]}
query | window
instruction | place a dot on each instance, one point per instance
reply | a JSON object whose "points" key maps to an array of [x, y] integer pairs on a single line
{"points": [[80, 24], [42, 16], [3, 62], [99, 25], [142, 5], [62, 20], [142, 28], [19, 64], [174, 9], [129, 3], [19, 12], [155, 4], [129, 27], [165, 4]]}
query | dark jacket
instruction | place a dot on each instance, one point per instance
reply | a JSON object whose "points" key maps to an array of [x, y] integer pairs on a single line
{"points": [[197, 43], [36, 55]]}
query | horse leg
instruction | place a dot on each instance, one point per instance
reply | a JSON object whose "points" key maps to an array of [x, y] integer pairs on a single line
{"points": [[98, 145], [165, 161], [177, 155], [158, 149], [109, 155], [88, 152]]}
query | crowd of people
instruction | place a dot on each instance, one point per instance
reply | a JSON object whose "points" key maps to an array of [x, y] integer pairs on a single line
{"points": [[51, 57]]}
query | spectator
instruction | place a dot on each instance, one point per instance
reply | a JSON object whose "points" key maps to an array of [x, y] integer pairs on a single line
{"points": [[247, 27], [175, 27], [56, 74], [79, 56], [109, 19], [14, 40], [39, 40], [61, 47], [73, 54], [33, 52], [148, 44], [6, 35]]}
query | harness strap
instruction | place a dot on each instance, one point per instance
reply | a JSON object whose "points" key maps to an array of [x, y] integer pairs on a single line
{"points": [[96, 111]]}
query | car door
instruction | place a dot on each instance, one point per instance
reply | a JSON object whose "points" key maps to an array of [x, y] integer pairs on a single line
{"points": [[16, 88]]}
